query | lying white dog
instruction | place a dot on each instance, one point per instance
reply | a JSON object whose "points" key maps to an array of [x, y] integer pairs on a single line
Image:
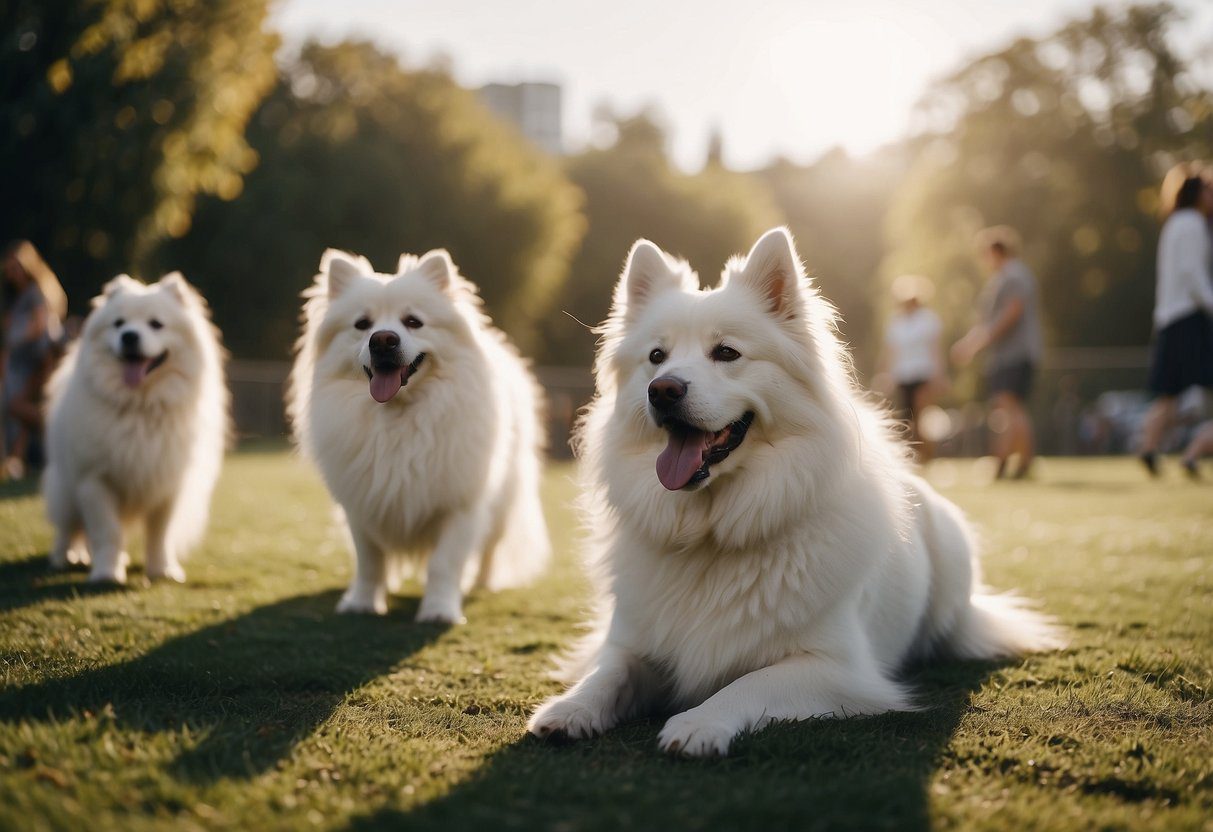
{"points": [[136, 430], [782, 562], [424, 423]]}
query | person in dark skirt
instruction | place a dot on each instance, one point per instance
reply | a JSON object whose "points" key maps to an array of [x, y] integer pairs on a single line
{"points": [[1183, 306]]}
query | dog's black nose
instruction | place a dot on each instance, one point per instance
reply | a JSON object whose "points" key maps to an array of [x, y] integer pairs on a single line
{"points": [[666, 391], [130, 338], [384, 340]]}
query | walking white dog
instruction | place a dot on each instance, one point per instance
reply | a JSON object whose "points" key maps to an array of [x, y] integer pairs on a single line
{"points": [[424, 423], [781, 562], [136, 430]]}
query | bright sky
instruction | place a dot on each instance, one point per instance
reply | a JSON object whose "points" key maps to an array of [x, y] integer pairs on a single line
{"points": [[779, 77]]}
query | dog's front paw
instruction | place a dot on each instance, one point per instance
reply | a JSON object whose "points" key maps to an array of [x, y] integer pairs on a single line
{"points": [[694, 735], [108, 575], [566, 718], [74, 557], [439, 614], [362, 603], [77, 556], [172, 572], [433, 611]]}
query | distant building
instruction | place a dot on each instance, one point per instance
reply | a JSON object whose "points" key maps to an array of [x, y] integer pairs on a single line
{"points": [[534, 108]]}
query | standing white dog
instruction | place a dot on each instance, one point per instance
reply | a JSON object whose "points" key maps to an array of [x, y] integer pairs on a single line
{"points": [[781, 562], [424, 423], [137, 429]]}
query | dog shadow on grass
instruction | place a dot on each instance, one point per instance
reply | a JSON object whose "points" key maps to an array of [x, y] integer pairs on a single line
{"points": [[31, 581], [873, 773], [252, 687]]}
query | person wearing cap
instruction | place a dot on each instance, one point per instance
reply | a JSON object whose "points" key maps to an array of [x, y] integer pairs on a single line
{"points": [[1010, 335], [912, 355]]}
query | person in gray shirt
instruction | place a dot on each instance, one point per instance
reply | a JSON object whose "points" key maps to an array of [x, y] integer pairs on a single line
{"points": [[1009, 334]]}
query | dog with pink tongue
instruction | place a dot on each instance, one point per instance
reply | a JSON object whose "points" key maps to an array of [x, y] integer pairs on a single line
{"points": [[424, 423], [763, 548], [136, 429]]}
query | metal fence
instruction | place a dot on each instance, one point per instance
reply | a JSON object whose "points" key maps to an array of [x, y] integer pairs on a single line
{"points": [[1085, 401], [259, 396]]}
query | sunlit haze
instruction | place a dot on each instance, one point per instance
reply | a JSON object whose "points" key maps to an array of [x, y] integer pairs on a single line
{"points": [[778, 77]]}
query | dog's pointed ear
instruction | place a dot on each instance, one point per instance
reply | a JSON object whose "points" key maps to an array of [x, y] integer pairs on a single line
{"points": [[340, 268], [437, 267], [117, 285], [648, 272], [772, 270], [177, 286]]}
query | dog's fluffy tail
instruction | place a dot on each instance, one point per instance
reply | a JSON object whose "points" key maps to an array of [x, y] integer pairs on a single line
{"points": [[1002, 626], [523, 550], [965, 619]]}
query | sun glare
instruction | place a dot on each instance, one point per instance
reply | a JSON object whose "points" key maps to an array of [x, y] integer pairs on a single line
{"points": [[860, 75]]}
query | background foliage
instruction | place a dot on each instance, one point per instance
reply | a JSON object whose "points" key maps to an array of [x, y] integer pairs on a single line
{"points": [[1065, 138], [116, 115], [358, 153]]}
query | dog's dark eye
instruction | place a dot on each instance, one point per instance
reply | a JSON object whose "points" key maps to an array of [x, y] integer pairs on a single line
{"points": [[362, 323], [723, 353], [154, 323], [119, 322], [657, 356], [412, 322]]}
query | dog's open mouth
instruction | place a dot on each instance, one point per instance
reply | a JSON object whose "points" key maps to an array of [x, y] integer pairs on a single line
{"points": [[691, 451], [386, 380], [135, 367]]}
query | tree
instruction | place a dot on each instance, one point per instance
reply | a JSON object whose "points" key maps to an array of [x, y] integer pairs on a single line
{"points": [[1065, 138], [115, 115], [836, 207], [632, 191], [359, 153]]}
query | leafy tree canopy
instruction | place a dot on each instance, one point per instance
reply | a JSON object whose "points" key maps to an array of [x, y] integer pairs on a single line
{"points": [[359, 153], [632, 191], [1066, 138], [115, 115]]}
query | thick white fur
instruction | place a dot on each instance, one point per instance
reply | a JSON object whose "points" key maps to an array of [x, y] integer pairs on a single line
{"points": [[151, 455], [447, 470], [810, 567]]}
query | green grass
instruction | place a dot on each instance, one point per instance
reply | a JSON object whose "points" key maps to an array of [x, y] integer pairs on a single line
{"points": [[240, 700]]}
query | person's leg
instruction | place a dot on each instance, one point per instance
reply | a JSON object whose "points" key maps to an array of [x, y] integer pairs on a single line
{"points": [[922, 400], [1158, 421], [1200, 446], [25, 409], [1024, 436], [1002, 427]]}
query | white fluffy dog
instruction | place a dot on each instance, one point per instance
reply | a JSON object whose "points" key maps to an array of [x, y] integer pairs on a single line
{"points": [[136, 430], [424, 423], [782, 562]]}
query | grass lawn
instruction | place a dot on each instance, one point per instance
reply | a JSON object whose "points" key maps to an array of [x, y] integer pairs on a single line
{"points": [[241, 700]]}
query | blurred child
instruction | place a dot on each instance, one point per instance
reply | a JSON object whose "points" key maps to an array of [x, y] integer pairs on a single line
{"points": [[913, 357]]}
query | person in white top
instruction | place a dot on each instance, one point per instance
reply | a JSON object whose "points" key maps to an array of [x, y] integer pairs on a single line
{"points": [[912, 356], [1183, 307]]}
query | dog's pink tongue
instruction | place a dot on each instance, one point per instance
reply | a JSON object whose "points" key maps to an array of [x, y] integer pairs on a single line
{"points": [[681, 458], [134, 372], [385, 384]]}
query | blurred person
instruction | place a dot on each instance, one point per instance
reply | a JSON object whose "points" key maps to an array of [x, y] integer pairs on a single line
{"points": [[1009, 333], [912, 356], [1199, 447], [1183, 305], [34, 307]]}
